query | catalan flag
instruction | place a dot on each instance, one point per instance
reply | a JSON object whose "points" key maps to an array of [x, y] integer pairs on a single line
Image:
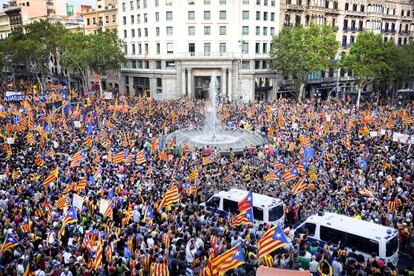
{"points": [[170, 196], [364, 131], [149, 215], [290, 174], [52, 177], [28, 270], [39, 161], [291, 147], [273, 239], [88, 141], [193, 175], [246, 203], [391, 205], [366, 192], [300, 186], [206, 160], [9, 243], [159, 269], [98, 257], [245, 217], [25, 228], [15, 174], [140, 159], [281, 120], [108, 210], [80, 186], [312, 175], [30, 139], [166, 240], [77, 158], [106, 143], [61, 203], [271, 176], [70, 217], [230, 259], [119, 157]]}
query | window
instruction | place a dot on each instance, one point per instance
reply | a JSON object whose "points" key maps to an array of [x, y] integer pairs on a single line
{"points": [[207, 30], [146, 32], [223, 2], [246, 65], [222, 30], [191, 48], [145, 4], [264, 30], [214, 202], [131, 5], [138, 4], [123, 7], [346, 6], [257, 15], [159, 82], [230, 206], [245, 30], [272, 30], [257, 30], [311, 229], [157, 64], [145, 18], [257, 48], [245, 47], [132, 19], [206, 2], [222, 15], [123, 20], [207, 49], [133, 48], [139, 19], [88, 21], [170, 64], [157, 17], [332, 235], [139, 49], [272, 16], [392, 246], [362, 244], [245, 15], [125, 34], [132, 33], [257, 2], [113, 18], [157, 3], [157, 31], [276, 213], [258, 213], [272, 3], [223, 48], [134, 64], [106, 19], [191, 30], [264, 48], [265, 16], [191, 15], [158, 46], [169, 31], [170, 49], [344, 40], [146, 48], [207, 15], [245, 2], [169, 15]]}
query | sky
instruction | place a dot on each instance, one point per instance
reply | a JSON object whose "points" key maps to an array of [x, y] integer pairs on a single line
{"points": [[75, 2]]}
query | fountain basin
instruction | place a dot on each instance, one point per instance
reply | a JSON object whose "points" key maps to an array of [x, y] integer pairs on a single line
{"points": [[224, 139]]}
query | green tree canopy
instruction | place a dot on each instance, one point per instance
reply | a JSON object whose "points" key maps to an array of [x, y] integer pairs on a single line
{"points": [[301, 50]]}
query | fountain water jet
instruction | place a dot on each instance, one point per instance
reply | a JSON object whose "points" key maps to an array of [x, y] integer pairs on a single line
{"points": [[224, 139]]}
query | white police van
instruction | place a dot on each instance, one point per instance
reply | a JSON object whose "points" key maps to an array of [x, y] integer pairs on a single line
{"points": [[266, 209], [366, 237]]}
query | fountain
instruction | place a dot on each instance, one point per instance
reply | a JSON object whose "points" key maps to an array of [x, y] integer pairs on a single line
{"points": [[224, 139]]}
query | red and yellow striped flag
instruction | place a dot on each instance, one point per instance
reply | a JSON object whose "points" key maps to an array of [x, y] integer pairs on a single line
{"points": [[52, 177]]}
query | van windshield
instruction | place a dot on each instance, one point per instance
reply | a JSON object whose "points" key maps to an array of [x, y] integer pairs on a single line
{"points": [[392, 246], [276, 212]]}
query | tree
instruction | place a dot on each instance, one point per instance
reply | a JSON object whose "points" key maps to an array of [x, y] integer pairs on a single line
{"points": [[33, 47], [299, 50], [104, 53], [368, 59], [73, 54]]}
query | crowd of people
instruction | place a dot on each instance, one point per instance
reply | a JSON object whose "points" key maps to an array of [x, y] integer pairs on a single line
{"points": [[83, 187]]}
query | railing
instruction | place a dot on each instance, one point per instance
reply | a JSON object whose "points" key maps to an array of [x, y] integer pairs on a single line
{"points": [[355, 13], [332, 11], [295, 7]]}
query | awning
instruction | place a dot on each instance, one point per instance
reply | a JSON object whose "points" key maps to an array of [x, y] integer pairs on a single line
{"points": [[269, 271]]}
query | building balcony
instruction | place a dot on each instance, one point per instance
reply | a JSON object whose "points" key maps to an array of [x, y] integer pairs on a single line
{"points": [[388, 31], [335, 28], [295, 7], [407, 18], [332, 11], [287, 24], [390, 16], [405, 32], [317, 8], [355, 13]]}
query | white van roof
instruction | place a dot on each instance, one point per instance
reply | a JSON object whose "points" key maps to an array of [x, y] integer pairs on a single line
{"points": [[352, 225], [259, 200]]}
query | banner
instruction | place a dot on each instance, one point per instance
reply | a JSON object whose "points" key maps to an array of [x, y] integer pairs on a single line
{"points": [[77, 201], [13, 96]]}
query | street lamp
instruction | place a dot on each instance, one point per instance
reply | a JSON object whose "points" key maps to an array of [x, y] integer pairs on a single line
{"points": [[241, 67]]}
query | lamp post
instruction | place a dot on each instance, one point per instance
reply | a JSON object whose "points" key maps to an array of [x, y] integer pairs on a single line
{"points": [[241, 68]]}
